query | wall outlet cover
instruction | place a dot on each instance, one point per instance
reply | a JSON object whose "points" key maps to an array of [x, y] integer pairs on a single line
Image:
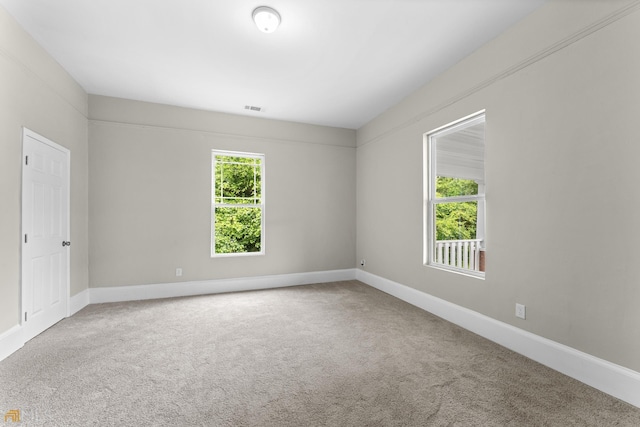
{"points": [[521, 311]]}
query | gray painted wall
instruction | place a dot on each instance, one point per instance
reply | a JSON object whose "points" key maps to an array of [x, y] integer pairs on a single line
{"points": [[150, 188], [37, 93], [562, 96]]}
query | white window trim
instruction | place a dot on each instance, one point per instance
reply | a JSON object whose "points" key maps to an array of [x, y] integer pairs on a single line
{"points": [[261, 205], [429, 200]]}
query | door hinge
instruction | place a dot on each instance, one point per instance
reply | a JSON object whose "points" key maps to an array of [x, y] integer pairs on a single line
{"points": [[26, 160], [25, 238], [25, 316]]}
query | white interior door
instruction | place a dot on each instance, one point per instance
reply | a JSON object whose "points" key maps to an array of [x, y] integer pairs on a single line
{"points": [[45, 233]]}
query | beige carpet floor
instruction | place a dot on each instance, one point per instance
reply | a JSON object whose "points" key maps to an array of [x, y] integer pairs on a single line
{"points": [[336, 354]]}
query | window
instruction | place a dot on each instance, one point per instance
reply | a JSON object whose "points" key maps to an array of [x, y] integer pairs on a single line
{"points": [[454, 188], [237, 208]]}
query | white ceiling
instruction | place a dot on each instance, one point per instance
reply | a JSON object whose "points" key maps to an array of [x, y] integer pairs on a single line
{"points": [[331, 62]]}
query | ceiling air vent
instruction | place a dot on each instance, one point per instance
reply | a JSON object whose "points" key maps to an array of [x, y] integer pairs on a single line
{"points": [[253, 108]]}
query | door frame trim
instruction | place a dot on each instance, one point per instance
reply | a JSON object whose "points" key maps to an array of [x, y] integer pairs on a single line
{"points": [[43, 140]]}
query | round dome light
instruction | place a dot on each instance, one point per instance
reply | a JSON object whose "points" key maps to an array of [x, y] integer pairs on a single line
{"points": [[266, 19]]}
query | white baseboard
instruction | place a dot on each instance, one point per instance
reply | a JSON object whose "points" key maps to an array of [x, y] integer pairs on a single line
{"points": [[605, 376], [79, 301], [11, 341], [180, 289]]}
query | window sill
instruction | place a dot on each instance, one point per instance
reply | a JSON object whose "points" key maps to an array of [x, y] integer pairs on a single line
{"points": [[463, 272], [245, 254]]}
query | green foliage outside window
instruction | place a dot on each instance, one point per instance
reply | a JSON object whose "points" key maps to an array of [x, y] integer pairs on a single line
{"points": [[237, 199], [238, 230], [456, 220]]}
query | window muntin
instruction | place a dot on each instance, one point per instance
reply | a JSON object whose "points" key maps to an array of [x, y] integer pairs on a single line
{"points": [[237, 211], [454, 196]]}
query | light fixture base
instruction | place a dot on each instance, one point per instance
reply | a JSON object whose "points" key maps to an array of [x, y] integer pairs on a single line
{"points": [[266, 18]]}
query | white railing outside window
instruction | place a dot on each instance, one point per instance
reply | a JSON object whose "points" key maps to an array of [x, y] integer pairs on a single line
{"points": [[464, 254]]}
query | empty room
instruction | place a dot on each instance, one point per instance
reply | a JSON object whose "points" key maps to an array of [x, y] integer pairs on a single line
{"points": [[342, 213]]}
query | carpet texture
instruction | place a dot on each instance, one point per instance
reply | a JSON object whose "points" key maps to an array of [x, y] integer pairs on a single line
{"points": [[336, 354]]}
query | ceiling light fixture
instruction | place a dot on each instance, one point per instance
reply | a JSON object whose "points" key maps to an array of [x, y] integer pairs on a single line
{"points": [[266, 19]]}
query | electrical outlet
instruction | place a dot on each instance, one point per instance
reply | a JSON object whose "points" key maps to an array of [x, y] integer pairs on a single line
{"points": [[521, 311], [363, 262], [178, 272]]}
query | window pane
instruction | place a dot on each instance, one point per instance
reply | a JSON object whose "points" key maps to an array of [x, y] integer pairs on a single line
{"points": [[450, 187], [459, 161], [456, 243], [456, 221], [237, 180], [237, 230]]}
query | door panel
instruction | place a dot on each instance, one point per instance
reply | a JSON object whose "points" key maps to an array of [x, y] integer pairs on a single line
{"points": [[45, 223]]}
